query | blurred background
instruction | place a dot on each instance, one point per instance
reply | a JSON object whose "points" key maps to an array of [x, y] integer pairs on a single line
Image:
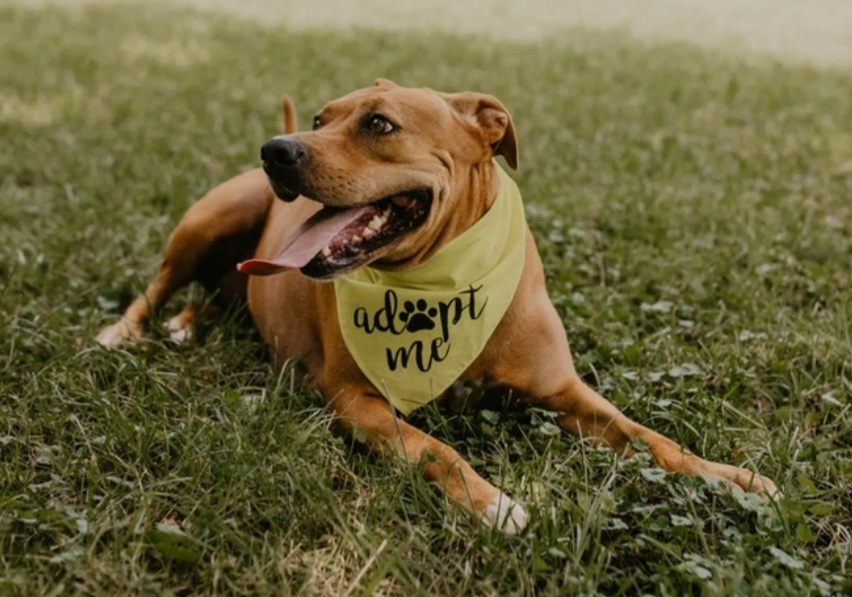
{"points": [[818, 31]]}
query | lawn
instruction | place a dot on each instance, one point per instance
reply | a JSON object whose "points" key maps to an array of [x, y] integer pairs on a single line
{"points": [[694, 213]]}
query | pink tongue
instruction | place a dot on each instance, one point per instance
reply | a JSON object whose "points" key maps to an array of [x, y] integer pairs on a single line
{"points": [[304, 244]]}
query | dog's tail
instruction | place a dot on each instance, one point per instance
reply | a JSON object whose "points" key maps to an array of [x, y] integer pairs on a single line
{"points": [[290, 124]]}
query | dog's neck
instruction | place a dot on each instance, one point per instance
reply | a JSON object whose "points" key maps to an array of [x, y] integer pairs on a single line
{"points": [[437, 317]]}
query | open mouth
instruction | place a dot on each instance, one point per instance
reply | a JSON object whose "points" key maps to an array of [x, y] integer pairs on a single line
{"points": [[336, 240]]}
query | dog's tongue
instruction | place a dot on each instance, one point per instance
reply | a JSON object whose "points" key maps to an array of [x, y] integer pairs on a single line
{"points": [[304, 244]]}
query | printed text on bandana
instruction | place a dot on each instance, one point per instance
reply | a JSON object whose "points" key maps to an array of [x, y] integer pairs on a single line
{"points": [[425, 329]]}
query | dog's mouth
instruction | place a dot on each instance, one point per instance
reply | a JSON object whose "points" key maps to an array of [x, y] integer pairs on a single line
{"points": [[336, 240]]}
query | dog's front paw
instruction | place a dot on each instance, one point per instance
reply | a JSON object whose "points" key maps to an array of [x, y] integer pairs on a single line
{"points": [[179, 329], [505, 514], [755, 483], [119, 333]]}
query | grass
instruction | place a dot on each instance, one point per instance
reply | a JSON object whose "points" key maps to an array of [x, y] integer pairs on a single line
{"points": [[694, 216]]}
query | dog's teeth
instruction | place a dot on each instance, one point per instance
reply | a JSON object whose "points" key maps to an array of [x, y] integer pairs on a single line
{"points": [[356, 239], [376, 223], [368, 233], [326, 251]]}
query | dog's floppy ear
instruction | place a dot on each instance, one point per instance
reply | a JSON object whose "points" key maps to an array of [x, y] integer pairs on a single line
{"points": [[493, 120], [386, 83]]}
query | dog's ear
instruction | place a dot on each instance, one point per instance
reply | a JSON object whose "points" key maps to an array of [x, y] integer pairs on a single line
{"points": [[386, 83], [290, 124], [493, 120]]}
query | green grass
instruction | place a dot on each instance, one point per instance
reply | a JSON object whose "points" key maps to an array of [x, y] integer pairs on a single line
{"points": [[694, 213]]}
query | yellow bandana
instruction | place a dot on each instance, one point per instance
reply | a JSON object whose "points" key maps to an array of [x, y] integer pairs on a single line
{"points": [[414, 332]]}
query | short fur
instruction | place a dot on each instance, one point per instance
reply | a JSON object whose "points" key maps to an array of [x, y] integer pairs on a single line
{"points": [[446, 142]]}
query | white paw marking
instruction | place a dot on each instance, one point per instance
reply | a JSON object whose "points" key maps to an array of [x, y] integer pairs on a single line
{"points": [[110, 338], [118, 334], [179, 332], [506, 514]]}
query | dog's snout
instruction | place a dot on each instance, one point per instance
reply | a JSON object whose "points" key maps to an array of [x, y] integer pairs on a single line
{"points": [[282, 152], [283, 158]]}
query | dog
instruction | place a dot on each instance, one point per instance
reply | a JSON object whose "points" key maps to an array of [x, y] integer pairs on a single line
{"points": [[386, 251]]}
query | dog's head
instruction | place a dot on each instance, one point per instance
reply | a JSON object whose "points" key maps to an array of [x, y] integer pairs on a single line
{"points": [[399, 171]]}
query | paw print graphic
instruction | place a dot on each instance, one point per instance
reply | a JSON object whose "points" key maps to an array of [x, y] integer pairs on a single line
{"points": [[418, 317]]}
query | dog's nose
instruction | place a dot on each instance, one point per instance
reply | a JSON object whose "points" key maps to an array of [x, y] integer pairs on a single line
{"points": [[283, 160], [282, 152]]}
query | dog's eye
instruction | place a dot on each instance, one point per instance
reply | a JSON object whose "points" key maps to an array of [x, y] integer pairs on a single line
{"points": [[317, 122], [379, 125]]}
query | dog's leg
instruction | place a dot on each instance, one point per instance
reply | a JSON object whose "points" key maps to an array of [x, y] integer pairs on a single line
{"points": [[543, 372], [587, 414], [215, 233], [130, 326], [370, 415]]}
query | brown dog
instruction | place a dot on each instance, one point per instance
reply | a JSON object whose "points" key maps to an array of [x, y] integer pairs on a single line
{"points": [[391, 177]]}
